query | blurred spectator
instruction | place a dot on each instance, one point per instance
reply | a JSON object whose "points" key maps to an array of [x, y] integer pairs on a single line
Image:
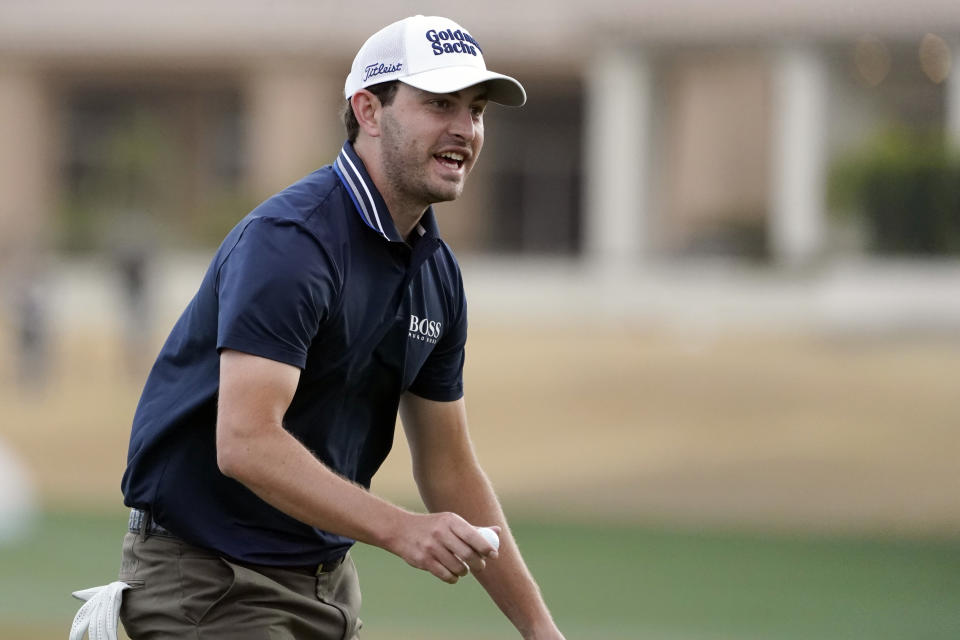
{"points": [[31, 319], [132, 257]]}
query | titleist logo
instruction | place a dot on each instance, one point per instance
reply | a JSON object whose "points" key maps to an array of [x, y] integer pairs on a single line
{"points": [[378, 69]]}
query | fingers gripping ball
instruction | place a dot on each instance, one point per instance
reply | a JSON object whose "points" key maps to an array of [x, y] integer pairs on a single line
{"points": [[490, 536]]}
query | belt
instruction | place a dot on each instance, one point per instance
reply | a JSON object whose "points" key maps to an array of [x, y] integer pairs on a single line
{"points": [[141, 522], [319, 568]]}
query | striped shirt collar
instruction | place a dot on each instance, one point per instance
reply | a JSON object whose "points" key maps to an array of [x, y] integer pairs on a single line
{"points": [[369, 203]]}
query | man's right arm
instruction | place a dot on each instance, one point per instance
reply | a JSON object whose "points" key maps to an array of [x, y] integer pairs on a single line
{"points": [[254, 448]]}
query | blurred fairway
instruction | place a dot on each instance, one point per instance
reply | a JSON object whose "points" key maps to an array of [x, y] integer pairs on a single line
{"points": [[844, 447], [602, 582]]}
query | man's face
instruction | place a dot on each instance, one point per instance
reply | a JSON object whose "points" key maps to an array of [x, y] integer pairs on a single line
{"points": [[431, 141]]}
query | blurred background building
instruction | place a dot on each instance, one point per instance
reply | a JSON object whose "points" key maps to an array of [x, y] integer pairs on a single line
{"points": [[719, 247], [683, 164], [688, 165], [655, 131]]}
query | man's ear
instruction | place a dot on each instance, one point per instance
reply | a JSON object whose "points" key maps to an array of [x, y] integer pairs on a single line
{"points": [[367, 110]]}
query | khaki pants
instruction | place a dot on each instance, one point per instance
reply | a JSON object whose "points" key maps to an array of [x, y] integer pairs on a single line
{"points": [[181, 591]]}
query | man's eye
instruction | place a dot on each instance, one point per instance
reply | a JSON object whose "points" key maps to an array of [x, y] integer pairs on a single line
{"points": [[440, 104]]}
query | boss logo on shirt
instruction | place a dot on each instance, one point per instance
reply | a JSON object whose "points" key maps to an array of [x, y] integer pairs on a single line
{"points": [[424, 329]]}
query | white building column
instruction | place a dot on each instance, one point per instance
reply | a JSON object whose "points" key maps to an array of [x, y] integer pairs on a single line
{"points": [[797, 224], [293, 123], [953, 94], [27, 166], [618, 104]]}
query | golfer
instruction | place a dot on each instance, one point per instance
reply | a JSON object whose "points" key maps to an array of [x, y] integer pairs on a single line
{"points": [[329, 308]]}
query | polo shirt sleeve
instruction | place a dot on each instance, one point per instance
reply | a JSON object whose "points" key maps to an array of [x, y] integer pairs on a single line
{"points": [[275, 289], [441, 376]]}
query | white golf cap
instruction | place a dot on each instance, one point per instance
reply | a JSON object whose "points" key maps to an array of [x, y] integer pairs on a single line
{"points": [[430, 53]]}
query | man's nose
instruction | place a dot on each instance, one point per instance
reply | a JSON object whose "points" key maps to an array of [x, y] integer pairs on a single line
{"points": [[463, 125]]}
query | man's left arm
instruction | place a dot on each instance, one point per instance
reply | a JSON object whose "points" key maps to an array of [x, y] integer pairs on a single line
{"points": [[450, 478]]}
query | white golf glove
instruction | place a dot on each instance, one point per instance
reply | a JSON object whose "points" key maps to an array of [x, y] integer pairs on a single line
{"points": [[98, 615]]}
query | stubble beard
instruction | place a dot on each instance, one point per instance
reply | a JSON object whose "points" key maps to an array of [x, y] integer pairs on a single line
{"points": [[408, 177]]}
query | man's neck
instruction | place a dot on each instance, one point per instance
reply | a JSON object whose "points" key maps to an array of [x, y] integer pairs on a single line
{"points": [[405, 214]]}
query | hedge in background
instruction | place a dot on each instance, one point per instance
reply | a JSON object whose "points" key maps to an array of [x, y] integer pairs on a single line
{"points": [[906, 187]]}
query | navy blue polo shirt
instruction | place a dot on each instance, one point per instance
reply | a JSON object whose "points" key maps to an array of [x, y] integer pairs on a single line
{"points": [[316, 277]]}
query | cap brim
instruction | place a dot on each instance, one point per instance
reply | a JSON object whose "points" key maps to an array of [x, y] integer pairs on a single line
{"points": [[502, 89]]}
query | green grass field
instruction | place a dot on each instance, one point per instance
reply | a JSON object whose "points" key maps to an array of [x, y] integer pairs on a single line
{"points": [[602, 583]]}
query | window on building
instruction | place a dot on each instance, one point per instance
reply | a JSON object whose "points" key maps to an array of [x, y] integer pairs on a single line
{"points": [[535, 180], [167, 152]]}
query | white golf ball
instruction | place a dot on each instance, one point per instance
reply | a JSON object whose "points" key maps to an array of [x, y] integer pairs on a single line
{"points": [[490, 536]]}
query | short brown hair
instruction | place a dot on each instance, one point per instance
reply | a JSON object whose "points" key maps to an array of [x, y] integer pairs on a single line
{"points": [[385, 92]]}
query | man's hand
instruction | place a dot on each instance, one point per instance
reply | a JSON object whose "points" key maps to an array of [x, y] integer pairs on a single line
{"points": [[444, 544]]}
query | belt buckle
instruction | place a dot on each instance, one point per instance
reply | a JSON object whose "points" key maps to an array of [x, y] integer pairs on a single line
{"points": [[139, 521]]}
